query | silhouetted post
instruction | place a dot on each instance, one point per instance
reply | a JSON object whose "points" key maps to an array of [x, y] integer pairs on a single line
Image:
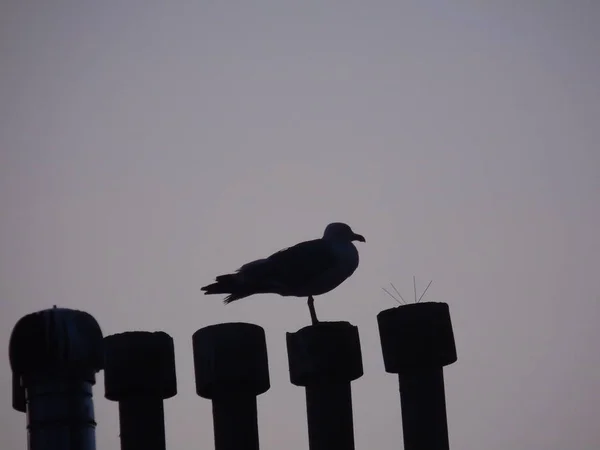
{"points": [[325, 358], [54, 355], [417, 342], [231, 366], [139, 373]]}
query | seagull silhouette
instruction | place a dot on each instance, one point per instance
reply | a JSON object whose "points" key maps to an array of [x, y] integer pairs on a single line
{"points": [[306, 269]]}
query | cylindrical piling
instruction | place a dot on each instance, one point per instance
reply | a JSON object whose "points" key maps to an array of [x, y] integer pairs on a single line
{"points": [[325, 358], [55, 355], [231, 367], [140, 374], [235, 421], [417, 342]]}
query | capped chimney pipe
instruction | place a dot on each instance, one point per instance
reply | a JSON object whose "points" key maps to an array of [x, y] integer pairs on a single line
{"points": [[139, 374], [417, 342], [325, 358], [231, 367], [55, 355]]}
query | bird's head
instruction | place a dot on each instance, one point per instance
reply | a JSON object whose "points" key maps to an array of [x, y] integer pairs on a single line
{"points": [[341, 232]]}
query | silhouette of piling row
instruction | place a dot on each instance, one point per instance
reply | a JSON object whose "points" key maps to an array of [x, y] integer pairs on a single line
{"points": [[56, 353]]}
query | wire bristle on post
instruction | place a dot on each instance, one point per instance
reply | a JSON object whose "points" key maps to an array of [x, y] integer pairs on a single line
{"points": [[400, 300]]}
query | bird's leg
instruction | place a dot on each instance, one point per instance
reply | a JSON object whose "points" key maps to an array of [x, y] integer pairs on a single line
{"points": [[311, 308]]}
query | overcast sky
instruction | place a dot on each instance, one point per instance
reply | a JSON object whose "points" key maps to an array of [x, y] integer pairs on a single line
{"points": [[146, 147]]}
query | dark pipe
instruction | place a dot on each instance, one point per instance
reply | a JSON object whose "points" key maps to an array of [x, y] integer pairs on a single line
{"points": [[426, 426], [235, 420], [60, 415], [55, 354], [231, 367], [142, 423], [325, 358], [329, 408], [140, 374], [417, 342]]}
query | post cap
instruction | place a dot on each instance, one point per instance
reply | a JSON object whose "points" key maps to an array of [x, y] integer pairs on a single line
{"points": [[139, 363], [324, 352], [59, 342], [416, 336], [230, 357]]}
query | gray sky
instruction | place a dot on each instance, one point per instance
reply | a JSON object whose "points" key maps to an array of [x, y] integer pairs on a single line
{"points": [[146, 147]]}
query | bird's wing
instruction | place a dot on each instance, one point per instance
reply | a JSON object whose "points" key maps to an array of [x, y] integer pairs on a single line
{"points": [[295, 266]]}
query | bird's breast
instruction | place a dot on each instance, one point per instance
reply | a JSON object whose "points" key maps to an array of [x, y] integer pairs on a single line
{"points": [[346, 264], [347, 257]]}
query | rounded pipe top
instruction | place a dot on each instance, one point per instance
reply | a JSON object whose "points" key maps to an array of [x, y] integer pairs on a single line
{"points": [[139, 363], [326, 352], [416, 336], [230, 358], [59, 342]]}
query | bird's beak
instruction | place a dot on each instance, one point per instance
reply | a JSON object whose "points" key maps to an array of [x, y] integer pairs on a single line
{"points": [[359, 238]]}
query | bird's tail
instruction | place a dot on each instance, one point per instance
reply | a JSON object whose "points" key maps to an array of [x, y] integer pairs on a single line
{"points": [[227, 284]]}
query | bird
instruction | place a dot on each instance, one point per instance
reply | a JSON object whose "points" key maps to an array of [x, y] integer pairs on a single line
{"points": [[307, 269]]}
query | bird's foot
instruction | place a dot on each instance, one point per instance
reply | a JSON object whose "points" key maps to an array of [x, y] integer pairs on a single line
{"points": [[311, 308]]}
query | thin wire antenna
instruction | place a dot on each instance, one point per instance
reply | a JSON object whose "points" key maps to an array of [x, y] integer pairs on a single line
{"points": [[424, 291], [388, 293], [399, 295], [415, 286]]}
